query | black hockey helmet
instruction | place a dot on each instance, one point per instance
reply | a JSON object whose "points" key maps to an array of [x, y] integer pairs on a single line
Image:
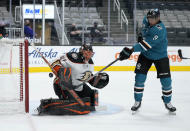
{"points": [[153, 13], [87, 51]]}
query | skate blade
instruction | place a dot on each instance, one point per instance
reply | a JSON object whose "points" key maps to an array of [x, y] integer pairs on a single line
{"points": [[35, 112], [135, 112], [172, 113]]}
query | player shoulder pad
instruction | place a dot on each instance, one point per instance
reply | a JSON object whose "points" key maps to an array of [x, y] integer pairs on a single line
{"points": [[74, 57], [77, 58]]}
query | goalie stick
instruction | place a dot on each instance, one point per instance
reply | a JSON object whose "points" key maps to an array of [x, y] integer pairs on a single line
{"points": [[180, 55], [71, 91]]}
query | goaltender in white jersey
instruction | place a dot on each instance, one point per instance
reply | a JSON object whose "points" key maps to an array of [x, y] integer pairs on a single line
{"points": [[80, 70]]}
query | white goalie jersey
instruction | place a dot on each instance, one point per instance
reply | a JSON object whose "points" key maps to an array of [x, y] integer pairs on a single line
{"points": [[80, 71]]}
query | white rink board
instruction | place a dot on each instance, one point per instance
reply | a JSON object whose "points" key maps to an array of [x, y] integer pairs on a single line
{"points": [[103, 55]]}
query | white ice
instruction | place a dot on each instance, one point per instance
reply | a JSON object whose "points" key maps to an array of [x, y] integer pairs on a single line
{"points": [[118, 97]]}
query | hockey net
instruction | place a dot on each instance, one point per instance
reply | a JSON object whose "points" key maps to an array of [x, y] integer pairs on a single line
{"points": [[14, 96]]}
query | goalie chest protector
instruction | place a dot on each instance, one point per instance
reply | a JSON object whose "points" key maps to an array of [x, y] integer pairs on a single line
{"points": [[80, 71]]}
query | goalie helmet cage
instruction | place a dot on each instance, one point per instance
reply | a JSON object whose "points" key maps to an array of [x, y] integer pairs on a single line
{"points": [[14, 87]]}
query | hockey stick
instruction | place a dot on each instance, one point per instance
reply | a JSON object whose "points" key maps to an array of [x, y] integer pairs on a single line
{"points": [[180, 55], [98, 72], [71, 91]]}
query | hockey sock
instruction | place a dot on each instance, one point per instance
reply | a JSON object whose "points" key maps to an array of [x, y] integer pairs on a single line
{"points": [[166, 89], [139, 86]]}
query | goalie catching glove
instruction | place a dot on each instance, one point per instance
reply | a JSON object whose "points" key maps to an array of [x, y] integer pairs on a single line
{"points": [[100, 81]]}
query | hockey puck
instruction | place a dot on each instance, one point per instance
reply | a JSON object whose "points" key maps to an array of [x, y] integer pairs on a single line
{"points": [[50, 75]]}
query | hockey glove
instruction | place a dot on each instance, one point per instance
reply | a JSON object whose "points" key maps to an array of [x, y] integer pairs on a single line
{"points": [[100, 81], [140, 38], [125, 53]]}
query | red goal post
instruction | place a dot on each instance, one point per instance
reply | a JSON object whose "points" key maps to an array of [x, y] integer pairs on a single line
{"points": [[14, 76]]}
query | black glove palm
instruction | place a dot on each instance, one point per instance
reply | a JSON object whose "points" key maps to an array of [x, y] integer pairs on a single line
{"points": [[125, 53]]}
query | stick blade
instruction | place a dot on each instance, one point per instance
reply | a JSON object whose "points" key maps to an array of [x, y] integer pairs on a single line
{"points": [[180, 53], [181, 56]]}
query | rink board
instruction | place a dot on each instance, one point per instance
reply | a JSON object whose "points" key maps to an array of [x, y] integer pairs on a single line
{"points": [[102, 57]]}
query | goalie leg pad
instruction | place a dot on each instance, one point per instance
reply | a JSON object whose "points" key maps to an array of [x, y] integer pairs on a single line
{"points": [[88, 92], [62, 94], [64, 107], [95, 98]]}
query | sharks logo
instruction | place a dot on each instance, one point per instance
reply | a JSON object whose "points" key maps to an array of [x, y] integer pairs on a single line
{"points": [[159, 27], [86, 75]]}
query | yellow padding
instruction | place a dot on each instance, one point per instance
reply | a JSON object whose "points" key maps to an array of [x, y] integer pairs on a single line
{"points": [[96, 68], [132, 68], [112, 68], [39, 69], [8, 71]]}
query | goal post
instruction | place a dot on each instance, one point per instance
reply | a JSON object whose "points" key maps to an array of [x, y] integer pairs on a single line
{"points": [[14, 76]]}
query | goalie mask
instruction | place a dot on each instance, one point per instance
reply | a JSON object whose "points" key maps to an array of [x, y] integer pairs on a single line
{"points": [[86, 51]]}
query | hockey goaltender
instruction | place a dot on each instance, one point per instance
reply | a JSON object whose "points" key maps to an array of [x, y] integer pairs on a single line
{"points": [[73, 68]]}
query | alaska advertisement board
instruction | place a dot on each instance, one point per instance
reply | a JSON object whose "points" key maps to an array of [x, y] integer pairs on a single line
{"points": [[103, 55]]}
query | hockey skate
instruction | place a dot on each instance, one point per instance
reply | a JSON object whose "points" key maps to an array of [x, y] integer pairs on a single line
{"points": [[135, 107], [169, 107], [37, 111]]}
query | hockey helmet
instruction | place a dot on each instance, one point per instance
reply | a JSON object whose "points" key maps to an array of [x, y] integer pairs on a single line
{"points": [[86, 47], [153, 13], [87, 51]]}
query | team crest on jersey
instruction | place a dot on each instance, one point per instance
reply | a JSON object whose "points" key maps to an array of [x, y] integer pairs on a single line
{"points": [[74, 55], [155, 37], [159, 27], [86, 75]]}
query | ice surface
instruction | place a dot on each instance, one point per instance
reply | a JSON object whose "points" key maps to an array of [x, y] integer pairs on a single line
{"points": [[118, 97]]}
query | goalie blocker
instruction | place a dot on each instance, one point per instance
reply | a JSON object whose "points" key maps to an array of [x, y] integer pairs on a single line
{"points": [[66, 105]]}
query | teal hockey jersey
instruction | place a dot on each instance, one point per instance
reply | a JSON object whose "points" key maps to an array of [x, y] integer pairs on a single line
{"points": [[155, 39]]}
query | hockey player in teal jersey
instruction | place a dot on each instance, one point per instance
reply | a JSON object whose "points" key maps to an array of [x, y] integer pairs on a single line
{"points": [[152, 43]]}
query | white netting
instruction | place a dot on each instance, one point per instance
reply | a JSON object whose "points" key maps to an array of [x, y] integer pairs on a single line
{"points": [[7, 41], [11, 92]]}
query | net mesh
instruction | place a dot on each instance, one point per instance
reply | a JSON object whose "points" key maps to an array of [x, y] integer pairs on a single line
{"points": [[11, 76]]}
